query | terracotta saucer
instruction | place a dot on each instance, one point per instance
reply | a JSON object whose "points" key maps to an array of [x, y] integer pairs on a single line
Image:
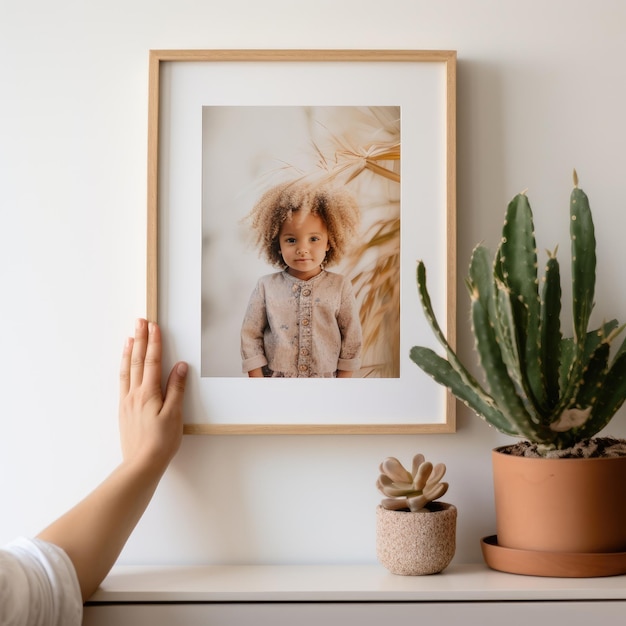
{"points": [[554, 564]]}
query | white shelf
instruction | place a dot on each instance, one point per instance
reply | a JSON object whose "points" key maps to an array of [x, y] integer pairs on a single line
{"points": [[343, 583]]}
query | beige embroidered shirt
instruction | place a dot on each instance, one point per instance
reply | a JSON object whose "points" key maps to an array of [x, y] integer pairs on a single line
{"points": [[302, 329]]}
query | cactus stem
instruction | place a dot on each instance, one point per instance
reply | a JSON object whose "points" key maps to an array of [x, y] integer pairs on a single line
{"points": [[552, 389]]}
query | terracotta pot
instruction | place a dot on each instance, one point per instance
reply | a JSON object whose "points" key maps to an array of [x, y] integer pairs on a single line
{"points": [[560, 505], [415, 544]]}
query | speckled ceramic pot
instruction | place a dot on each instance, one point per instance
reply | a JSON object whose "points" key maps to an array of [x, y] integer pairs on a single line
{"points": [[415, 544]]}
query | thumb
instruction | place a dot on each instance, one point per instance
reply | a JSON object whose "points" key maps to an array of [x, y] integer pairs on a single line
{"points": [[175, 388]]}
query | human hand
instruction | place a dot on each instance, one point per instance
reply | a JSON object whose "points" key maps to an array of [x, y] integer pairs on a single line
{"points": [[94, 531], [151, 422]]}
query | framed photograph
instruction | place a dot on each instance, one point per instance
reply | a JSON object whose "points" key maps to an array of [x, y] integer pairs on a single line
{"points": [[290, 195]]}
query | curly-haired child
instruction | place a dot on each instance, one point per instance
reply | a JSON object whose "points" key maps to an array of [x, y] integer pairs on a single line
{"points": [[303, 321]]}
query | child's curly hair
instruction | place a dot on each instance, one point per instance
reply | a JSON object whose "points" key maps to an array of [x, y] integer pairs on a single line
{"points": [[335, 205]]}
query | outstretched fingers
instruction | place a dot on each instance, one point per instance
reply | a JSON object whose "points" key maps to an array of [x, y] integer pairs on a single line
{"points": [[138, 354], [141, 358], [141, 368], [151, 375], [125, 368]]}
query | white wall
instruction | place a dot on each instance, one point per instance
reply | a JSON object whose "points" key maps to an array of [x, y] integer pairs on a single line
{"points": [[541, 89]]}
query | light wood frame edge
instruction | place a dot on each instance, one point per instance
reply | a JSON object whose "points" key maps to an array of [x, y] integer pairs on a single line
{"points": [[449, 58]]}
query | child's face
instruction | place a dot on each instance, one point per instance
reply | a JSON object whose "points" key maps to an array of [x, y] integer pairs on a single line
{"points": [[303, 244]]}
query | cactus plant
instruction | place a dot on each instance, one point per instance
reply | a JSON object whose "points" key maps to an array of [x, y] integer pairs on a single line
{"points": [[552, 390], [412, 490]]}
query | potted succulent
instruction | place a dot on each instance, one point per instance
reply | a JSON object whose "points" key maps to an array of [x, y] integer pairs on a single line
{"points": [[555, 392], [414, 534]]}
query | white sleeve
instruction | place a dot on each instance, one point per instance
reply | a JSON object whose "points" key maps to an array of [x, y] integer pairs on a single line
{"points": [[38, 586]]}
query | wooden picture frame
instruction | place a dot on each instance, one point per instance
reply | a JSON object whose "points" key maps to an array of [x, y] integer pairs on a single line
{"points": [[223, 125]]}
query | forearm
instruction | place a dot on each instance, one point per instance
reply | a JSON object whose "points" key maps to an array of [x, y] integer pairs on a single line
{"points": [[252, 335], [94, 532]]}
